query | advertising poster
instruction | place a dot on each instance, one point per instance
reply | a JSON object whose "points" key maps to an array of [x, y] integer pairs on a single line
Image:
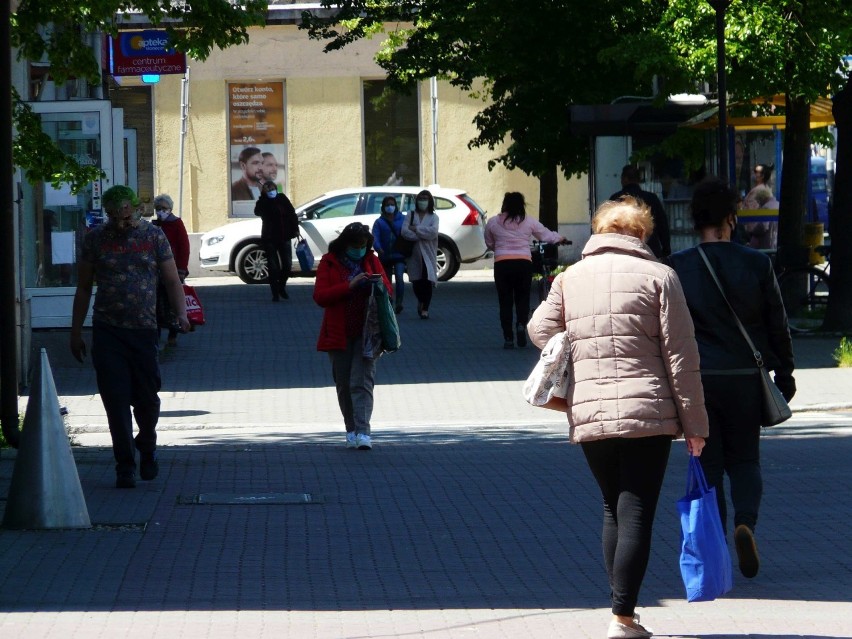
{"points": [[257, 146]]}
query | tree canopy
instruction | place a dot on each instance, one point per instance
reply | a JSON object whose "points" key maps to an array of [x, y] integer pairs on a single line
{"points": [[532, 60], [789, 47], [56, 31]]}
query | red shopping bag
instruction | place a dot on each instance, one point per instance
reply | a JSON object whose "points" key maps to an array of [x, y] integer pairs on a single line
{"points": [[194, 310]]}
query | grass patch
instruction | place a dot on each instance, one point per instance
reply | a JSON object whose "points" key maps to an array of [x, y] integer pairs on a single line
{"points": [[843, 353]]}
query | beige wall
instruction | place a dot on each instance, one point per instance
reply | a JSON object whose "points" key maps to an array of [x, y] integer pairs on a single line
{"points": [[324, 130]]}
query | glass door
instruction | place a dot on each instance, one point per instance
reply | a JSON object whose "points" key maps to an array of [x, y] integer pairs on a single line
{"points": [[53, 220]]}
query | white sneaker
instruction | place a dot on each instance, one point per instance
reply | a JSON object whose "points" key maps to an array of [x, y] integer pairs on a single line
{"points": [[619, 630], [363, 442], [350, 440]]}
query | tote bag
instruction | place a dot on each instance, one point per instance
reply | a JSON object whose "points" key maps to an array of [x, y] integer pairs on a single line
{"points": [[705, 563], [547, 385], [388, 326]]}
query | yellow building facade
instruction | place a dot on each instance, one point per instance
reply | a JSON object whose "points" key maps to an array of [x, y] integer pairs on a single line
{"points": [[324, 131]]}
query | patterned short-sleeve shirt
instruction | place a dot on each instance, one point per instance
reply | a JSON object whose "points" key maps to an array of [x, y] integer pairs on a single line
{"points": [[127, 269]]}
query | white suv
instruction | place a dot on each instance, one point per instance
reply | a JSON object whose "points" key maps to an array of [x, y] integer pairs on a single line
{"points": [[236, 246]]}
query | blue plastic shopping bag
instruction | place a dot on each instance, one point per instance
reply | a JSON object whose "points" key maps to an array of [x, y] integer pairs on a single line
{"points": [[705, 563], [304, 255]]}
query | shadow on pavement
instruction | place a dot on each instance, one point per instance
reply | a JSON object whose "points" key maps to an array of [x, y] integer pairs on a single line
{"points": [[428, 520]]}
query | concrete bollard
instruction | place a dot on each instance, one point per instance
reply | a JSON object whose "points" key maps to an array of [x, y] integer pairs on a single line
{"points": [[45, 491]]}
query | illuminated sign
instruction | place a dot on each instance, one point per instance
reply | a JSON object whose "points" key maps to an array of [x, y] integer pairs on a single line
{"points": [[144, 53]]}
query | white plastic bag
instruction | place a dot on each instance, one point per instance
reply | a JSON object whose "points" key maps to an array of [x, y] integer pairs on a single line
{"points": [[547, 385]]}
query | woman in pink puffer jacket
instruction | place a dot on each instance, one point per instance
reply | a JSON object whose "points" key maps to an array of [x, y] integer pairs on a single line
{"points": [[635, 384]]}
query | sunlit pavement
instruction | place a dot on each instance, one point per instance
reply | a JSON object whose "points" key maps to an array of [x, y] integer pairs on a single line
{"points": [[471, 517]]}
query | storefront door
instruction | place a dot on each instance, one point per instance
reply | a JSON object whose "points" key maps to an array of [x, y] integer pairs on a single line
{"points": [[53, 220]]}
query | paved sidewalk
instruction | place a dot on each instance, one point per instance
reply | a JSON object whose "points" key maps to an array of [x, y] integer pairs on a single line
{"points": [[472, 517]]}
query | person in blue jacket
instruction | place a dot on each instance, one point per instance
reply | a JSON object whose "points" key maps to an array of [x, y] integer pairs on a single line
{"points": [[385, 231]]}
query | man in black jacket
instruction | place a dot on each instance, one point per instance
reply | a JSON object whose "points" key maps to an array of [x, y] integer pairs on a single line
{"points": [[280, 226], [660, 240]]}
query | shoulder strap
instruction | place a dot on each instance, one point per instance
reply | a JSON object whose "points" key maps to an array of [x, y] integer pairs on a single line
{"points": [[756, 353]]}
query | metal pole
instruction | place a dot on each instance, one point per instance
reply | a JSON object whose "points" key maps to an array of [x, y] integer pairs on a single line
{"points": [[184, 109], [721, 6], [433, 89], [8, 276]]}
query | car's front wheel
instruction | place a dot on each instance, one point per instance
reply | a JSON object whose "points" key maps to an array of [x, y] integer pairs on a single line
{"points": [[448, 264], [250, 264]]}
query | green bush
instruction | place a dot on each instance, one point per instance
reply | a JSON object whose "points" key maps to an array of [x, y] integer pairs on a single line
{"points": [[3, 442], [843, 353]]}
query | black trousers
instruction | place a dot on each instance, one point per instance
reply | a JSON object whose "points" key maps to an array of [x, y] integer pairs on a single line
{"points": [[629, 472], [513, 279], [128, 373], [733, 447], [423, 292], [279, 260]]}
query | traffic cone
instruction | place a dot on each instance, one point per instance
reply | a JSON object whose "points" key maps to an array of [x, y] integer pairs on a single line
{"points": [[45, 491]]}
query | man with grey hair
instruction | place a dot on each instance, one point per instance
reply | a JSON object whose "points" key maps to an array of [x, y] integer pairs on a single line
{"points": [[126, 257]]}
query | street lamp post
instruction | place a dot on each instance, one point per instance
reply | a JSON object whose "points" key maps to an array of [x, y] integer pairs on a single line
{"points": [[721, 6]]}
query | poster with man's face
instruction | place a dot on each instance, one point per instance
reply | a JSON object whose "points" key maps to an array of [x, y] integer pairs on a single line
{"points": [[257, 145]]}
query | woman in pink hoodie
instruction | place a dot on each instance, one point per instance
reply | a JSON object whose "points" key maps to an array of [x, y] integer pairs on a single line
{"points": [[509, 235]]}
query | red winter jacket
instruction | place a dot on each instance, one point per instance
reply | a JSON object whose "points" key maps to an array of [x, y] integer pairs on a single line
{"points": [[331, 291]]}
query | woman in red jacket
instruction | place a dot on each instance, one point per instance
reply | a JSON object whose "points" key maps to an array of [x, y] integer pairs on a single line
{"points": [[344, 277], [178, 239]]}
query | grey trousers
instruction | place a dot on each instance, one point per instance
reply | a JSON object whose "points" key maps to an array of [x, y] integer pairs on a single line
{"points": [[354, 377]]}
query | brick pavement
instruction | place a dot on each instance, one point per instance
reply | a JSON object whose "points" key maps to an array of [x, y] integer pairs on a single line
{"points": [[472, 517]]}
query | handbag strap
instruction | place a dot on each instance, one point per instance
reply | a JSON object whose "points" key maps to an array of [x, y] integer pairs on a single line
{"points": [[756, 353]]}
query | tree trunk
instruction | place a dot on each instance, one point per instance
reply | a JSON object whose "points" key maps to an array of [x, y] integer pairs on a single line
{"points": [[794, 183], [548, 189], [839, 314]]}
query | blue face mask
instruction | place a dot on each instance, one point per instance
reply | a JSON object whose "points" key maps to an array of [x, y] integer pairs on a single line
{"points": [[356, 254], [271, 193], [390, 209], [422, 205]]}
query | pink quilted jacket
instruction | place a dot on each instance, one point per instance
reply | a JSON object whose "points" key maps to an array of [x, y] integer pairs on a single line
{"points": [[633, 351]]}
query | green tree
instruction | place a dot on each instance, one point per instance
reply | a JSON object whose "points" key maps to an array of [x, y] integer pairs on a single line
{"points": [[56, 30], [790, 47], [528, 61]]}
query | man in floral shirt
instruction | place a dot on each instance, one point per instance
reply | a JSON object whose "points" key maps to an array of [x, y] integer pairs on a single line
{"points": [[126, 257]]}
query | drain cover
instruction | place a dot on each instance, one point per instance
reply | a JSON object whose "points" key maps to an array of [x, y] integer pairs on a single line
{"points": [[251, 499]]}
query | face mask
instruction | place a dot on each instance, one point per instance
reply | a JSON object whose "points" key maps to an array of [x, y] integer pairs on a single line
{"points": [[422, 205], [356, 253], [163, 214], [271, 193], [390, 209]]}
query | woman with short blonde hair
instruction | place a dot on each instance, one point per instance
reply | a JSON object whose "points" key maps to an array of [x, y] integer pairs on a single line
{"points": [[635, 385], [626, 216]]}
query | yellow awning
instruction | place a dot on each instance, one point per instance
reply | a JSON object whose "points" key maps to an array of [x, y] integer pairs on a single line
{"points": [[820, 116]]}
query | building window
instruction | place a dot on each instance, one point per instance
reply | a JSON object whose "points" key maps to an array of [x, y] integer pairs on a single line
{"points": [[391, 136]]}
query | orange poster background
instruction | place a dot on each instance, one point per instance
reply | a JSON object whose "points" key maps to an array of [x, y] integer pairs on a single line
{"points": [[256, 113]]}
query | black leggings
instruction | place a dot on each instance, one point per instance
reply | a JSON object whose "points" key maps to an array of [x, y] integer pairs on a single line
{"points": [[513, 279], [629, 472]]}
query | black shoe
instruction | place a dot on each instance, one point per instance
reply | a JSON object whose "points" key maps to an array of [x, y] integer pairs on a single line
{"points": [[521, 334], [508, 343], [746, 551], [149, 468], [284, 294], [275, 298], [125, 480], [398, 309]]}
